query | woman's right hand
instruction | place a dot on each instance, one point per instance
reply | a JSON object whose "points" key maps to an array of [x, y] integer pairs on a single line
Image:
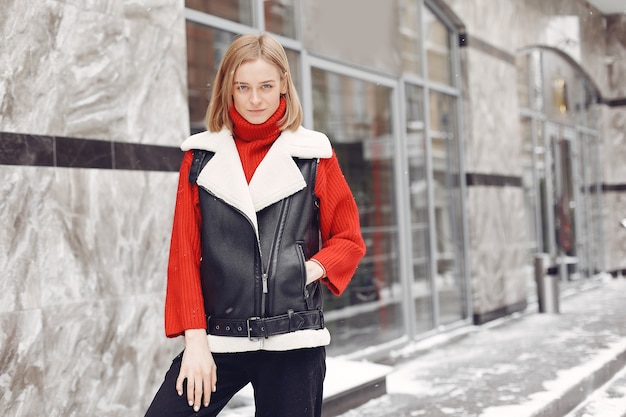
{"points": [[198, 368]]}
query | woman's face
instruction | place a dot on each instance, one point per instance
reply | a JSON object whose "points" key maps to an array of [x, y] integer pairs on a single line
{"points": [[257, 89]]}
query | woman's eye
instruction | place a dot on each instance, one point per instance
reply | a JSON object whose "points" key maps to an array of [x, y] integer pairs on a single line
{"points": [[266, 86], [242, 87]]}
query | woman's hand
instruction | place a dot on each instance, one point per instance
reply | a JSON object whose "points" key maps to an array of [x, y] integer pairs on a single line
{"points": [[314, 271], [198, 368]]}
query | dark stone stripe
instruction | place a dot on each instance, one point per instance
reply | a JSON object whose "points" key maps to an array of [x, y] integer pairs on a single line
{"points": [[147, 157], [492, 180], [613, 187], [82, 153], [615, 102], [22, 149], [482, 318], [58, 151], [466, 40]]}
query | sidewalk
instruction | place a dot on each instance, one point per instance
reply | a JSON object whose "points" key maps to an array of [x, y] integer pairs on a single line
{"points": [[528, 365]]}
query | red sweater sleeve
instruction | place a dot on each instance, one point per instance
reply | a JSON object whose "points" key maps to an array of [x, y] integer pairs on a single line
{"points": [[184, 304], [342, 243]]}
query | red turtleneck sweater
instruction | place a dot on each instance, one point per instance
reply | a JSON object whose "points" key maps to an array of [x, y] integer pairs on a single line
{"points": [[253, 141], [342, 244]]}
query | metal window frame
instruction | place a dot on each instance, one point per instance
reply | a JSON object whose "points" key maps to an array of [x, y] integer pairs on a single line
{"points": [[455, 91]]}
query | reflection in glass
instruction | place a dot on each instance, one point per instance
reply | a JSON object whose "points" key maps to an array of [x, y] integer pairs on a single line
{"points": [[205, 48], [590, 106], [523, 77], [536, 81], [356, 115], [418, 190], [411, 37], [597, 218], [280, 17], [438, 47], [294, 66], [447, 207], [528, 183], [239, 11], [559, 88], [584, 208], [564, 204]]}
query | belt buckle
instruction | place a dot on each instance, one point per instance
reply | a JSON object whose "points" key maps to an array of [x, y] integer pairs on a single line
{"points": [[248, 320]]}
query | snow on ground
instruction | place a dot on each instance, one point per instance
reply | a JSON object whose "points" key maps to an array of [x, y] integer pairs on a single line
{"points": [[607, 401], [557, 388]]}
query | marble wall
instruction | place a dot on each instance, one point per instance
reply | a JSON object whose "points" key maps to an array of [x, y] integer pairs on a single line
{"points": [[496, 226], [111, 69], [83, 251]]}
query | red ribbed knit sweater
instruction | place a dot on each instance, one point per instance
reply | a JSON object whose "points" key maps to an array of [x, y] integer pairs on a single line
{"points": [[342, 244]]}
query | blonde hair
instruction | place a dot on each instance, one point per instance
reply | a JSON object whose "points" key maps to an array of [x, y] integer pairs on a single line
{"points": [[245, 48]]}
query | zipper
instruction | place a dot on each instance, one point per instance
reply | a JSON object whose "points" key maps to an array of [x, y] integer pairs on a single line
{"points": [[265, 292], [265, 271]]}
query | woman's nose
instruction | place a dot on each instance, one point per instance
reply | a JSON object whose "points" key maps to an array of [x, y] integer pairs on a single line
{"points": [[255, 97]]}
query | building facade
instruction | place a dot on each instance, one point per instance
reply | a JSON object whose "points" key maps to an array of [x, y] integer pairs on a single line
{"points": [[471, 147]]}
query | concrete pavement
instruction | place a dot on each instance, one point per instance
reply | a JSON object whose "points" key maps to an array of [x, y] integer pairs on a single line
{"points": [[528, 365]]}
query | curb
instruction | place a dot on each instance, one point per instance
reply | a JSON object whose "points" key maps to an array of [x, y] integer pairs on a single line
{"points": [[605, 368]]}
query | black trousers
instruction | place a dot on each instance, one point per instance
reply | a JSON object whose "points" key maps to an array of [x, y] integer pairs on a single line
{"points": [[286, 384]]}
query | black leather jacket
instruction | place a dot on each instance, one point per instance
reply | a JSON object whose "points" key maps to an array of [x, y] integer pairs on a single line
{"points": [[247, 276]]}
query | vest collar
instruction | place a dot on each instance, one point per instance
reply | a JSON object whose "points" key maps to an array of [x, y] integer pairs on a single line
{"points": [[276, 177]]}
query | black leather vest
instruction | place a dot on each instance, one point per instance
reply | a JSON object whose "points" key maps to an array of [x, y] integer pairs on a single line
{"points": [[244, 276]]}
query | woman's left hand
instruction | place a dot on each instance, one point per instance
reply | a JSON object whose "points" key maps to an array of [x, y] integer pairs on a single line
{"points": [[314, 271]]}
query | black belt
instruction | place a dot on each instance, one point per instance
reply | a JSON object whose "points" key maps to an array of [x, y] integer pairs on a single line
{"points": [[258, 327]]}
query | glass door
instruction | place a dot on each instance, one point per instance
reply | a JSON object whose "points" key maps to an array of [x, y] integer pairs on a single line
{"points": [[562, 197]]}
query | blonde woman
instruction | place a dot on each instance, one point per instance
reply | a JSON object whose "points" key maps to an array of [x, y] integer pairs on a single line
{"points": [[263, 217]]}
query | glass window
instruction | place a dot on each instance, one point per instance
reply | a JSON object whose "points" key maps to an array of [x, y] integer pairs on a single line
{"points": [[280, 17], [584, 208], [585, 107], [205, 49], [438, 47], [447, 207], [528, 182], [560, 84], [596, 213], [418, 191], [536, 82], [239, 11], [356, 115], [590, 106], [294, 66], [523, 78], [410, 35]]}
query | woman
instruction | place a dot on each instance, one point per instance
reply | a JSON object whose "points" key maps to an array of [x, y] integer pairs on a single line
{"points": [[263, 216]]}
